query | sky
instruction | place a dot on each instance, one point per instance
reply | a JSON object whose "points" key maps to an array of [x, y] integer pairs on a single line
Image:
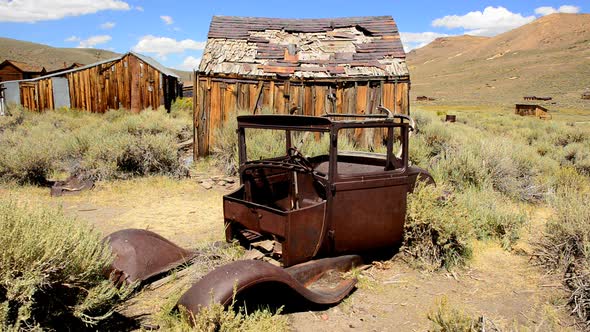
{"points": [[174, 32]]}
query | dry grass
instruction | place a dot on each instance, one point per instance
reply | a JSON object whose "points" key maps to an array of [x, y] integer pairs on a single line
{"points": [[51, 271], [116, 144]]}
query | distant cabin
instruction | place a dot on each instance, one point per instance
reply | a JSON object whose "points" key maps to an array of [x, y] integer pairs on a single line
{"points": [[298, 66], [11, 70], [64, 68], [586, 95], [132, 81], [532, 110]]}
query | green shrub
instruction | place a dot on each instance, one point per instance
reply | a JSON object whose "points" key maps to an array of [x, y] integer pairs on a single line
{"points": [[492, 215], [51, 271], [437, 231]]}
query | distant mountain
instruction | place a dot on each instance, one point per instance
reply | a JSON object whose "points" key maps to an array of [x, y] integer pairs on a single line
{"points": [[53, 58], [547, 57]]}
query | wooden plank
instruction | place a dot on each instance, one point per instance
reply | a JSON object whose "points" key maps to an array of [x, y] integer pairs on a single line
{"points": [[135, 95], [388, 97], [339, 98], [361, 105], [309, 100], [256, 99], [271, 96], [319, 100], [214, 111]]}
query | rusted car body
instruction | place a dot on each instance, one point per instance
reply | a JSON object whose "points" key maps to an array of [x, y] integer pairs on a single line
{"points": [[319, 210], [328, 205]]}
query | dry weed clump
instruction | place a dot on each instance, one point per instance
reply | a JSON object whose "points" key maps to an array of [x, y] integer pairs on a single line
{"points": [[565, 246], [216, 318], [51, 271], [116, 144], [446, 318]]}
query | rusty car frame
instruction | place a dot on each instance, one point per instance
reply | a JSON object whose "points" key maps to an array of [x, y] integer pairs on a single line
{"points": [[336, 203], [318, 214]]}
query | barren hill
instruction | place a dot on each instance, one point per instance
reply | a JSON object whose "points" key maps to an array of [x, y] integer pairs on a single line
{"points": [[53, 58], [547, 57], [47, 56]]}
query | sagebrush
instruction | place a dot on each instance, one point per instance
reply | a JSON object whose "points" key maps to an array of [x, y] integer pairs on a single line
{"points": [[52, 271], [117, 144]]}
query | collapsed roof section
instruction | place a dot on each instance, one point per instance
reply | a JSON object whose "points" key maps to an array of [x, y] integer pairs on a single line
{"points": [[304, 48]]}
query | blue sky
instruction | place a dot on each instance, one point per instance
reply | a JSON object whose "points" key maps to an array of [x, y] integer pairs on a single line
{"points": [[174, 31]]}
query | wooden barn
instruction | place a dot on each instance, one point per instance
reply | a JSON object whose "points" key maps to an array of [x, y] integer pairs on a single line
{"points": [[11, 70], [532, 110], [300, 66], [130, 81]]}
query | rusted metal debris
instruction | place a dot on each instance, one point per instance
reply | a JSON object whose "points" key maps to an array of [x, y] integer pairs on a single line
{"points": [[141, 254], [293, 211], [73, 185], [450, 118], [231, 280]]}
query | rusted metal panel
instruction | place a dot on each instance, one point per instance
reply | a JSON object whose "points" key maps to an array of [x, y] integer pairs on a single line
{"points": [[141, 254], [313, 281]]}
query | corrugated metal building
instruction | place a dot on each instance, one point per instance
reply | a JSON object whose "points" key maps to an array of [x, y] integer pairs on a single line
{"points": [[130, 81], [301, 66]]}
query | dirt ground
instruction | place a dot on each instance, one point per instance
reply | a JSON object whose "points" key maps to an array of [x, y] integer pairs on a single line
{"points": [[502, 286]]}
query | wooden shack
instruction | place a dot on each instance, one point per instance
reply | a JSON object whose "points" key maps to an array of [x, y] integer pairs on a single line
{"points": [[532, 110], [586, 95], [11, 70], [300, 66], [130, 81]]}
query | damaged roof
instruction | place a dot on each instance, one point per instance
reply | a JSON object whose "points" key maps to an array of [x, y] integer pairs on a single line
{"points": [[304, 48], [24, 67]]}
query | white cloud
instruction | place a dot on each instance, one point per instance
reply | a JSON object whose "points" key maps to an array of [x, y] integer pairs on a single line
{"points": [[139, 8], [163, 46], [73, 39], [546, 10], [190, 63], [167, 19], [43, 10], [490, 22], [412, 40], [108, 25], [93, 41]]}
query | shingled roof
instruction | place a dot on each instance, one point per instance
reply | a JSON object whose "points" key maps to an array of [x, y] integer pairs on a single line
{"points": [[305, 48]]}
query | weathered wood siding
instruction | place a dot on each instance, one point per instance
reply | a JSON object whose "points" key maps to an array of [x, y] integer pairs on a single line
{"points": [[216, 99], [10, 73], [28, 95], [127, 83]]}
